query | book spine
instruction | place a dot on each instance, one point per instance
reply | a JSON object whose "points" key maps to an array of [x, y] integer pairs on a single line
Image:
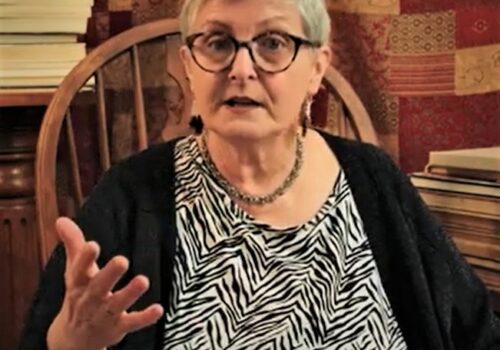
{"points": [[455, 185], [482, 175], [466, 204], [76, 25]]}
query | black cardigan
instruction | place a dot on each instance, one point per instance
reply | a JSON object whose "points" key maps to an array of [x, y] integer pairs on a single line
{"points": [[438, 301]]}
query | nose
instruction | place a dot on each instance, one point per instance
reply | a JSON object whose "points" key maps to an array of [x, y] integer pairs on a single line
{"points": [[243, 66]]}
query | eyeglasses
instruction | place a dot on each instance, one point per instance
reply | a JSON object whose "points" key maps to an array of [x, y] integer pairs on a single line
{"points": [[271, 52]]}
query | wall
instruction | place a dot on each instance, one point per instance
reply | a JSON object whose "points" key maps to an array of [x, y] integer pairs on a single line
{"points": [[427, 71]]}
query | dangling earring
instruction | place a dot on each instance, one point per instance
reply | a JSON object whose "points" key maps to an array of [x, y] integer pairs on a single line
{"points": [[306, 114], [196, 124]]}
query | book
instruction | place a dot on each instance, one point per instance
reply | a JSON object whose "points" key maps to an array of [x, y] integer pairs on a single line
{"points": [[483, 175], [4, 92], [74, 24], [34, 82], [47, 2], [484, 159], [23, 39], [455, 184], [471, 227], [23, 66], [39, 41], [42, 52], [35, 73], [38, 65], [467, 204], [30, 81], [44, 11]]}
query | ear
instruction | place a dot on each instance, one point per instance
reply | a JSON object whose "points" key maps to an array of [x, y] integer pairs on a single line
{"points": [[187, 61], [322, 61]]}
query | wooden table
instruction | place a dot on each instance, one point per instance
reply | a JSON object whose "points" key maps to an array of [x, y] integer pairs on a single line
{"points": [[21, 112]]}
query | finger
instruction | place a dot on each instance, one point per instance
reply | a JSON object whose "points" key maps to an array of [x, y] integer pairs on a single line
{"points": [[139, 319], [84, 266], [123, 299], [71, 236], [104, 281]]}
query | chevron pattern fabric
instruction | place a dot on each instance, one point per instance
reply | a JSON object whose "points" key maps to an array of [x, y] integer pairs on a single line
{"points": [[241, 284]]}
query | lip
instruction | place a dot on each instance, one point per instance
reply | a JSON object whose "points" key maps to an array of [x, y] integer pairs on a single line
{"points": [[241, 97], [240, 109]]}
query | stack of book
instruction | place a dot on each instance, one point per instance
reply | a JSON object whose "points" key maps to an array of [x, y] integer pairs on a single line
{"points": [[38, 41], [463, 188]]}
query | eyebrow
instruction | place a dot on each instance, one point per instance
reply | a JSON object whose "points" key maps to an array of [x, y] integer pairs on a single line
{"points": [[217, 23], [272, 20], [263, 23]]}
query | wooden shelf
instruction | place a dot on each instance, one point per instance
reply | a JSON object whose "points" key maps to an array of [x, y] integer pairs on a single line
{"points": [[21, 97]]}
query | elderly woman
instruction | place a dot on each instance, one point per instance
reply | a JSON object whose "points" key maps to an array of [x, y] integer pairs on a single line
{"points": [[257, 233]]}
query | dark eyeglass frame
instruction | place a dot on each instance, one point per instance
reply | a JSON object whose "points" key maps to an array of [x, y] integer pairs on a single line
{"points": [[298, 41]]}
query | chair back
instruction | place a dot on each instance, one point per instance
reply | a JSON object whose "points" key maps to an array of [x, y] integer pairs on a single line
{"points": [[126, 51]]}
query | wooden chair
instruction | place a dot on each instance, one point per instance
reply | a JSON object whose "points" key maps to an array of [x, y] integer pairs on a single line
{"points": [[57, 122]]}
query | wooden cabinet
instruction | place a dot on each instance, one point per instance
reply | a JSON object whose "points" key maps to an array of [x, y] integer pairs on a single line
{"points": [[20, 117]]}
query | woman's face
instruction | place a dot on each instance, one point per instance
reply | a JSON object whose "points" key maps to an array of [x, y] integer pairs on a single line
{"points": [[243, 101]]}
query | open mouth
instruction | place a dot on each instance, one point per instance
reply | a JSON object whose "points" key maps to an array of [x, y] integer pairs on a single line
{"points": [[242, 102]]}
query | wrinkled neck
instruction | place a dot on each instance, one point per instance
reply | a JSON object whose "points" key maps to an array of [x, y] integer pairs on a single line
{"points": [[253, 165]]}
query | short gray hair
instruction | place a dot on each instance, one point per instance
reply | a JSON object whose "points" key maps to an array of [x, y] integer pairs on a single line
{"points": [[315, 18]]}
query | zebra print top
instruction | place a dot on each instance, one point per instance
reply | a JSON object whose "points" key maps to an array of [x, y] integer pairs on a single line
{"points": [[240, 284]]}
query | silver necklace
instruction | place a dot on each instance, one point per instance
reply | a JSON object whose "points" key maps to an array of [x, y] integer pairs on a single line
{"points": [[249, 198]]}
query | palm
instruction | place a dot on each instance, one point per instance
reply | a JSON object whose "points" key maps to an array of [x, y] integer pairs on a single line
{"points": [[91, 309]]}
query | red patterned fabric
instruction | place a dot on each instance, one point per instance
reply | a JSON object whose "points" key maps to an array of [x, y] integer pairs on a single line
{"points": [[477, 25], [440, 123], [359, 44], [424, 75], [422, 6], [403, 66], [409, 68]]}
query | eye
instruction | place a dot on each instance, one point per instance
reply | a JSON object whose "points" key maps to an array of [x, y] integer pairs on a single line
{"points": [[272, 42], [218, 42]]}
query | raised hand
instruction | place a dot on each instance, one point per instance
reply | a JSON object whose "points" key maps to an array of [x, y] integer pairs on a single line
{"points": [[92, 316]]}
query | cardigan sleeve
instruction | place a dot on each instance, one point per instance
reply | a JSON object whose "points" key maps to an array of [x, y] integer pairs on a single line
{"points": [[97, 220], [460, 296], [115, 215]]}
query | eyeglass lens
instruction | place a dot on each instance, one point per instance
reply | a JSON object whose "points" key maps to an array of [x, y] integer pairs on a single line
{"points": [[270, 51]]}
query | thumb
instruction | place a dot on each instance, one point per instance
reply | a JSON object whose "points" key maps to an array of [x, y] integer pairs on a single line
{"points": [[71, 236]]}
